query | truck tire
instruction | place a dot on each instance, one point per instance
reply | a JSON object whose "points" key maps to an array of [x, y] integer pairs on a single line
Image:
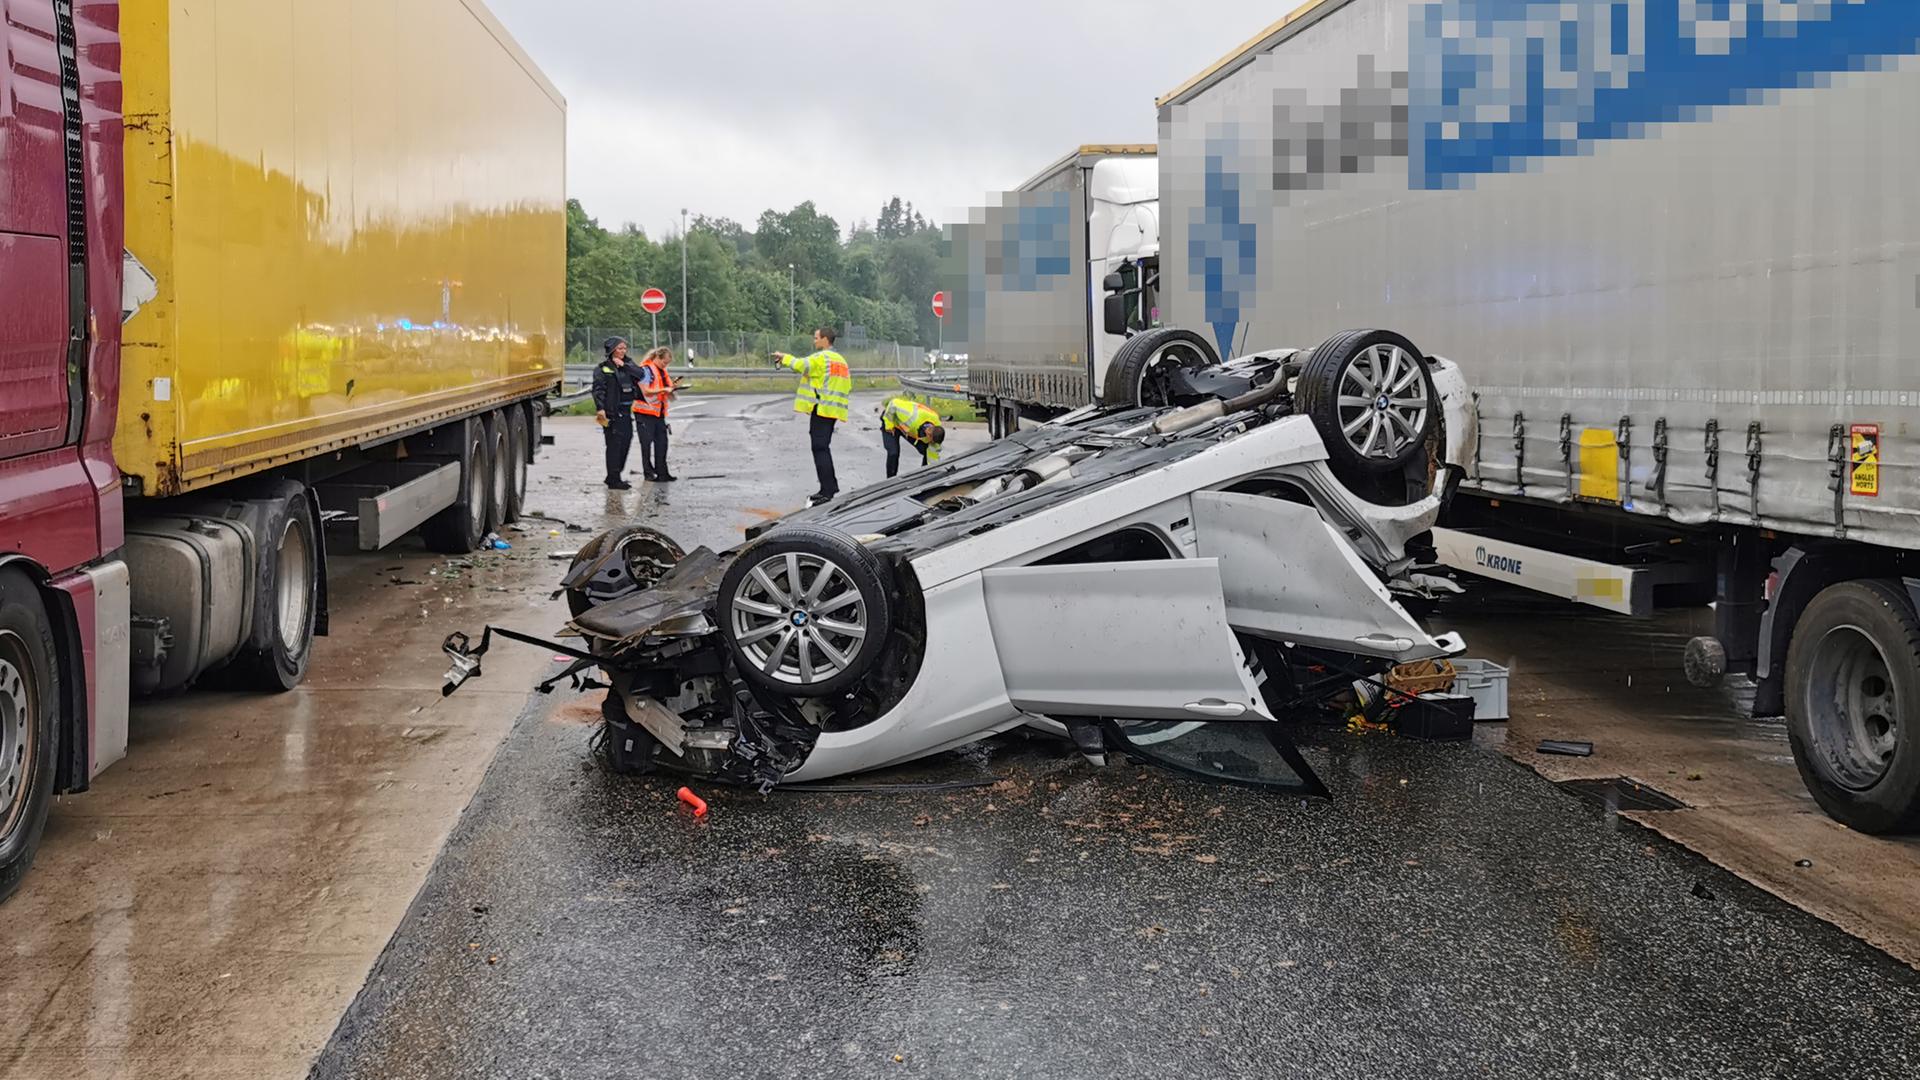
{"points": [[812, 637], [1853, 705], [518, 455], [29, 725], [459, 528], [499, 470], [287, 573], [1371, 430], [1131, 378]]}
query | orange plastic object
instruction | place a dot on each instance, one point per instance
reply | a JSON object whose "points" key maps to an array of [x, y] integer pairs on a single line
{"points": [[699, 804]]}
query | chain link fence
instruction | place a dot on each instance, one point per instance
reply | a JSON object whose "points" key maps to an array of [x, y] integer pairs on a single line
{"points": [[739, 349]]}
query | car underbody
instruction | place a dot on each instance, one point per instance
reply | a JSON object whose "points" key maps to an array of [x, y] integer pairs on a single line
{"points": [[1174, 581]]}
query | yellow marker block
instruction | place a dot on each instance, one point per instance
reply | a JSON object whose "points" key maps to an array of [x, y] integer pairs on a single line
{"points": [[1614, 589], [1598, 476]]}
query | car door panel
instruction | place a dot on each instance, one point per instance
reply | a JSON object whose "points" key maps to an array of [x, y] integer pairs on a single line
{"points": [[1288, 575], [1141, 640]]}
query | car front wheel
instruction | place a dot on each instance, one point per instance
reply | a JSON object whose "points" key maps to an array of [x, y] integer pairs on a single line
{"points": [[805, 612]]}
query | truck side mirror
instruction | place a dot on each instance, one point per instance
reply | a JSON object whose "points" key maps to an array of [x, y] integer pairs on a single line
{"points": [[1116, 312], [1113, 283]]}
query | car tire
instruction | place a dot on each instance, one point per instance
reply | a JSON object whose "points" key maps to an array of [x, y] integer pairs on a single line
{"points": [[519, 434], [1130, 377], [1369, 435], [287, 573], [29, 725], [775, 631], [461, 527], [499, 471], [621, 562], [1853, 705]]}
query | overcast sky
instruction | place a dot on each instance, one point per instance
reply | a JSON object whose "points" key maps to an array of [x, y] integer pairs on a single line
{"points": [[730, 107]]}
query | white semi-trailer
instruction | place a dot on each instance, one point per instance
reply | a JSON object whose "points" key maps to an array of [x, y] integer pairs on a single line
{"points": [[1676, 246], [1048, 280]]}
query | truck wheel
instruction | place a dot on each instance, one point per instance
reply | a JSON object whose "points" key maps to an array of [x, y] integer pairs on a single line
{"points": [[517, 457], [499, 471], [287, 576], [617, 563], [1853, 705], [1137, 375], [1372, 400], [805, 611], [29, 725], [459, 528]]}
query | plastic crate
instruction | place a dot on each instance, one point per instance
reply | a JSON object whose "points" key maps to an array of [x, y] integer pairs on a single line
{"points": [[1486, 682]]}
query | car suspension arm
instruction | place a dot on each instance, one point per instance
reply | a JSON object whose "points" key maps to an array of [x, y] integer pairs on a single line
{"points": [[466, 657]]}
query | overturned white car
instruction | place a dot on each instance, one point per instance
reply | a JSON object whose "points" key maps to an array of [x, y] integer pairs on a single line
{"points": [[1137, 578]]}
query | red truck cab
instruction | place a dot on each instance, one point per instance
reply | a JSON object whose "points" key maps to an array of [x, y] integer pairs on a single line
{"points": [[63, 594]]}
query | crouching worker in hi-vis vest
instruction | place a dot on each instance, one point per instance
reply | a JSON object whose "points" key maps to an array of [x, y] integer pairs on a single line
{"points": [[825, 386], [905, 418], [650, 413]]}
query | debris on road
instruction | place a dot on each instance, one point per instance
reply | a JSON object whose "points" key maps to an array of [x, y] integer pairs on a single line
{"points": [[1566, 748], [699, 804]]}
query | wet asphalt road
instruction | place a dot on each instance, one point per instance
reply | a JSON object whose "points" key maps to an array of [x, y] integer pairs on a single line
{"points": [[1446, 914]]}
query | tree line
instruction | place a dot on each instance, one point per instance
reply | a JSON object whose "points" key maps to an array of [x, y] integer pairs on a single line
{"points": [[880, 275]]}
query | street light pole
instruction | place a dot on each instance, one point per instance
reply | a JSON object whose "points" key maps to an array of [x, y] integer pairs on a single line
{"points": [[686, 331], [791, 317]]}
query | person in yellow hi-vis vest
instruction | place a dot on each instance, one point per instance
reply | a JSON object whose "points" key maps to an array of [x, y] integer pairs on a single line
{"points": [[905, 418], [825, 386]]}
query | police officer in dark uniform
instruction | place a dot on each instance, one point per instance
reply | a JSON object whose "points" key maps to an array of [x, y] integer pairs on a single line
{"points": [[615, 384]]}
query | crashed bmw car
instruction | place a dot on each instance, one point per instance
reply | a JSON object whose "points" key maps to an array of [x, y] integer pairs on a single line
{"points": [[1121, 576]]}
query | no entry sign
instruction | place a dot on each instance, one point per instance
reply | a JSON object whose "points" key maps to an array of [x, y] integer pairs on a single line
{"points": [[940, 305], [654, 301]]}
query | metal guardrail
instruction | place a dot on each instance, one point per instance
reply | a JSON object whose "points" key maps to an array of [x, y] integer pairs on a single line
{"points": [[950, 383], [583, 373], [939, 384]]}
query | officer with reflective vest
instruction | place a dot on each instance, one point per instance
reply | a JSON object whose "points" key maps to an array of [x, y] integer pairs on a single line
{"points": [[905, 418], [650, 413], [825, 386], [615, 385]]}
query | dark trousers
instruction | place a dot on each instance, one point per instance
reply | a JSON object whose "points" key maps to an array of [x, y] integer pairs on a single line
{"points": [[619, 436], [820, 434], [890, 439], [653, 444]]}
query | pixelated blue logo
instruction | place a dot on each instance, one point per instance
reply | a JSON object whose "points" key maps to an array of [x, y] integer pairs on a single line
{"points": [[1036, 245], [1221, 246], [1499, 83]]}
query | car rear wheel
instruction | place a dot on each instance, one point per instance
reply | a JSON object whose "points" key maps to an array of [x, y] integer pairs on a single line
{"points": [[805, 612], [1138, 373], [1853, 688], [29, 725], [1372, 399]]}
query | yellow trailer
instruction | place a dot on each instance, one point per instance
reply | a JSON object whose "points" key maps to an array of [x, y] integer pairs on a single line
{"points": [[353, 213], [345, 289]]}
